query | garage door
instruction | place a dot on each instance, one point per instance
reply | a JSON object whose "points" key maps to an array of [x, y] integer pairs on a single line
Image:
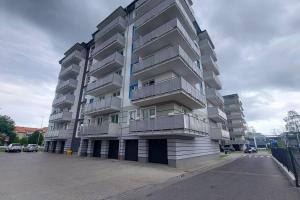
{"points": [[113, 149], [131, 150], [158, 151], [97, 148]]}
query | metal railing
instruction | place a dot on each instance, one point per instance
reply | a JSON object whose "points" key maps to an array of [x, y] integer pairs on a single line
{"points": [[115, 57], [109, 102], [112, 78], [289, 158]]}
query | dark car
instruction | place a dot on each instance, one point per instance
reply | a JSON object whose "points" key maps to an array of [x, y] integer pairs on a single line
{"points": [[228, 148], [250, 150], [30, 148]]}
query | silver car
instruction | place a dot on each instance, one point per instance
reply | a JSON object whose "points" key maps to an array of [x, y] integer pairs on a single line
{"points": [[14, 147], [30, 148]]}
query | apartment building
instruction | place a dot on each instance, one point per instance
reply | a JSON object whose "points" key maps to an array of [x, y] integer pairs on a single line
{"points": [[235, 120], [147, 89]]}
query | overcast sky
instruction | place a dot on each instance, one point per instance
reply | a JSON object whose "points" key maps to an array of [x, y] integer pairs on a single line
{"points": [[257, 43]]}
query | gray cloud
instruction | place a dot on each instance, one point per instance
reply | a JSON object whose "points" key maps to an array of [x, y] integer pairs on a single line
{"points": [[257, 43]]}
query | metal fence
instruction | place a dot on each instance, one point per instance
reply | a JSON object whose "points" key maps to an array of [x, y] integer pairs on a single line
{"points": [[289, 158]]}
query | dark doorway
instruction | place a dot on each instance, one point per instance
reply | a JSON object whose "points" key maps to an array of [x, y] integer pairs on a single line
{"points": [[97, 148], [158, 151], [47, 146], [62, 147], [113, 149], [54, 146], [131, 150]]}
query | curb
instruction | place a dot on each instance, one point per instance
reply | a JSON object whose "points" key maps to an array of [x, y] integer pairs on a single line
{"points": [[284, 170]]}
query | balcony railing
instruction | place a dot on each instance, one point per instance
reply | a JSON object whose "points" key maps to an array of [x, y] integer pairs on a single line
{"points": [[118, 24], [161, 31], [109, 104], [64, 100], [233, 107], [59, 134], [166, 91], [63, 116], [163, 7], [108, 64], [212, 80], [209, 64], [71, 71], [106, 129], [169, 125], [162, 61], [73, 58], [66, 86], [105, 84], [216, 114], [236, 115], [113, 44], [214, 96], [207, 49], [218, 133]]}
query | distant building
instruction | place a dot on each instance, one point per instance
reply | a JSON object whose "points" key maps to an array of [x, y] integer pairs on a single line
{"points": [[257, 140], [26, 131]]}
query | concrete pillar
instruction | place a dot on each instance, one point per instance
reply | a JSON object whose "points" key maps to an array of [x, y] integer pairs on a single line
{"points": [[83, 147], [121, 149], [104, 148], [90, 148], [143, 150]]}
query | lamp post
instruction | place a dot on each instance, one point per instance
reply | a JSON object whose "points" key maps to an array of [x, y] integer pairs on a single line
{"points": [[37, 142]]}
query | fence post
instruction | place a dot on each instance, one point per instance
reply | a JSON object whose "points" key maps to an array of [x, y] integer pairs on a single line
{"points": [[294, 166]]}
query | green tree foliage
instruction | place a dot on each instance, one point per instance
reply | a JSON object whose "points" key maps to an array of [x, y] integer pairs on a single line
{"points": [[34, 137], [24, 141], [7, 127]]}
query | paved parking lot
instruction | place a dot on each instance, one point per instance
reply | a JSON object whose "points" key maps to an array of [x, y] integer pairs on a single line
{"points": [[45, 176]]}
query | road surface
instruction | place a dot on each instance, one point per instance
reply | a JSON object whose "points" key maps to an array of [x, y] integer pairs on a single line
{"points": [[250, 177]]}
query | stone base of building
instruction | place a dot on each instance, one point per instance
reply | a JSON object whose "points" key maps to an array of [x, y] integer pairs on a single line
{"points": [[192, 162]]}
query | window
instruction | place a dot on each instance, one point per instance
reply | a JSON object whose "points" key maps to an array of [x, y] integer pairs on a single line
{"points": [[132, 114], [132, 88], [99, 121], [114, 118], [148, 83], [116, 94], [91, 100], [198, 64], [119, 72], [148, 112], [101, 98]]}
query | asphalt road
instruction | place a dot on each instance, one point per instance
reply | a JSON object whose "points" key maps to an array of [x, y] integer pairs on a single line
{"points": [[253, 177]]}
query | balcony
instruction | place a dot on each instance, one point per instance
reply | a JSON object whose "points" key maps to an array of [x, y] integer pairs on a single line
{"points": [[70, 72], [73, 58], [218, 133], [59, 134], [108, 47], [108, 65], [237, 132], [118, 25], [212, 80], [106, 84], [233, 108], [61, 117], [166, 60], [64, 101], [236, 124], [176, 89], [216, 114], [207, 49], [172, 33], [235, 116], [239, 140], [107, 129], [213, 96], [108, 105], [183, 125], [209, 64], [66, 86], [152, 14]]}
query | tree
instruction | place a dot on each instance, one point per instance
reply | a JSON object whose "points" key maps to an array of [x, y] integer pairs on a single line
{"points": [[34, 137], [7, 127], [24, 141]]}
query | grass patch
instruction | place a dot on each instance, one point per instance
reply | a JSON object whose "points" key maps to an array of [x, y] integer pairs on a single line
{"points": [[224, 155]]}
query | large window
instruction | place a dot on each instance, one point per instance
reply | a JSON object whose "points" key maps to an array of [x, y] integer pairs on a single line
{"points": [[148, 83], [114, 118], [147, 113], [132, 115]]}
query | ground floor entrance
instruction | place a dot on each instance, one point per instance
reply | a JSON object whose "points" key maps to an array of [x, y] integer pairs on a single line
{"points": [[97, 148], [62, 146], [54, 144], [158, 151], [131, 150], [113, 149]]}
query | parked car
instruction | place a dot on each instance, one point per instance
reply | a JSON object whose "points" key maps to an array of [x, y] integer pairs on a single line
{"points": [[31, 148], [228, 148], [250, 150], [14, 147]]}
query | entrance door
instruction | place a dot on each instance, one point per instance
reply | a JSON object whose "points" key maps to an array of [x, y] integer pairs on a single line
{"points": [[47, 146], [158, 151], [131, 150], [97, 148], [113, 149], [62, 147], [54, 146]]}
